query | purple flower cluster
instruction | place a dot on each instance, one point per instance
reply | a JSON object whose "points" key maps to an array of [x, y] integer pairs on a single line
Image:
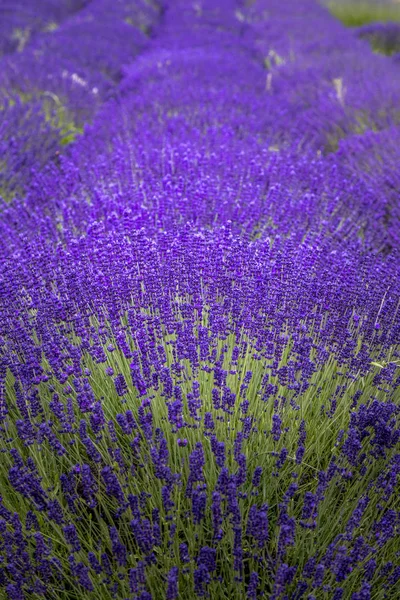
{"points": [[199, 302]]}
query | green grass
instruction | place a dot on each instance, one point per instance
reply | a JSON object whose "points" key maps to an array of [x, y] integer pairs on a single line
{"points": [[355, 14]]}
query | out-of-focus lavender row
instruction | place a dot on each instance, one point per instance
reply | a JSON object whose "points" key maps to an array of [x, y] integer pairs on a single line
{"points": [[21, 21], [52, 84]]}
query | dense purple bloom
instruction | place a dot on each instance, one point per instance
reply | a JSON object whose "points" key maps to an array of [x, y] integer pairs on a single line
{"points": [[160, 458], [31, 521], [237, 550], [146, 420], [309, 568], [394, 577], [175, 414], [157, 538]]}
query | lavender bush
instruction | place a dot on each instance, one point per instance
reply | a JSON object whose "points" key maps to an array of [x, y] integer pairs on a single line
{"points": [[200, 294]]}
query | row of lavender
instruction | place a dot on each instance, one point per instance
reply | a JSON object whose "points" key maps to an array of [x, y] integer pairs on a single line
{"points": [[200, 310], [59, 61]]}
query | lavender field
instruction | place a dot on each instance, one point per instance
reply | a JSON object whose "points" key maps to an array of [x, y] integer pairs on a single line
{"points": [[199, 301]]}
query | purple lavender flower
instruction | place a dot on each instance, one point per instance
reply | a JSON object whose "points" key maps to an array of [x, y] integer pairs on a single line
{"points": [[199, 502], [71, 537], [31, 521], [196, 464], [286, 531], [94, 563], [357, 515], [184, 553], [209, 421], [207, 557], [319, 576], [257, 476], [25, 481], [301, 442], [89, 486], [113, 487], [385, 527], [342, 565], [81, 572], [120, 385], [251, 593], [284, 576], [216, 512], [55, 512], [364, 593], [218, 449], [201, 578], [282, 458], [118, 548], [172, 584], [142, 531], [276, 427], [257, 524], [175, 415], [168, 503], [394, 577]]}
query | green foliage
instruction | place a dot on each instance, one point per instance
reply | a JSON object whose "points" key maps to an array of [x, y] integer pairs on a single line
{"points": [[355, 14]]}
